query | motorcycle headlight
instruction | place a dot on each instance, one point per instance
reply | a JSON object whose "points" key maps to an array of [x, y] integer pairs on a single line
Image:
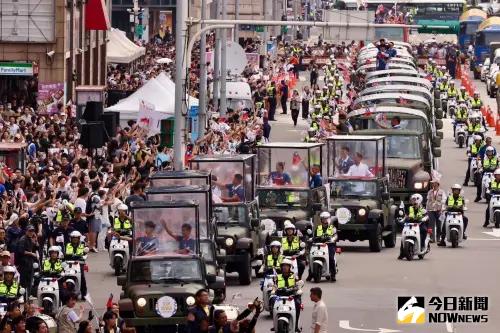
{"points": [[141, 302], [229, 241], [190, 301], [361, 212]]}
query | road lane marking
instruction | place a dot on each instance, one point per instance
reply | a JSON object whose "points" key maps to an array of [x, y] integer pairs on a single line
{"points": [[494, 232], [449, 327], [345, 325]]}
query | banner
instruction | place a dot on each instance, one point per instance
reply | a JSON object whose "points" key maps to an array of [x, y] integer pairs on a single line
{"points": [[49, 95], [149, 119]]}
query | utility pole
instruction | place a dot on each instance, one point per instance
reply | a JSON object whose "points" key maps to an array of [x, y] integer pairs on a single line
{"points": [[223, 65], [180, 78], [216, 64], [203, 73], [236, 17]]}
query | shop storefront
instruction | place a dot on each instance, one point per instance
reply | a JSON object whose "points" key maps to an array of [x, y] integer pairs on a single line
{"points": [[18, 82]]}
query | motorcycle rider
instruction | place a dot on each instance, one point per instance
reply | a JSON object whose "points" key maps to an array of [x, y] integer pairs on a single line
{"points": [[493, 188], [122, 226], [275, 258], [9, 288], [454, 203], [452, 90], [476, 102], [473, 152], [461, 115], [463, 95], [286, 279], [417, 214], [52, 266], [290, 245], [489, 164], [326, 232], [76, 250]]}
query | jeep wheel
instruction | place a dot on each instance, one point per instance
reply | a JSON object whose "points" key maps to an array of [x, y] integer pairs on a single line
{"points": [[245, 273], [376, 239], [390, 240]]}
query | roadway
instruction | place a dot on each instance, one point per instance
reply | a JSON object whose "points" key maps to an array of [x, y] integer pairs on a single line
{"points": [[364, 298]]}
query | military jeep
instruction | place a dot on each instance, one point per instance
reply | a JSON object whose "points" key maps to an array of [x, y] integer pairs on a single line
{"points": [[240, 236], [157, 291], [360, 199]]}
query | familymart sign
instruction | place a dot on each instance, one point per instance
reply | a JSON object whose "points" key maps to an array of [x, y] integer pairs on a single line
{"points": [[16, 68]]}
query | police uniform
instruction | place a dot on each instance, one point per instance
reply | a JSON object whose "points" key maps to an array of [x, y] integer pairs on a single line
{"points": [[489, 165], [293, 247], [455, 205], [9, 292], [474, 128], [283, 281], [50, 267], [494, 188], [330, 232], [452, 92], [273, 262], [476, 103], [474, 151], [71, 252], [417, 215]]}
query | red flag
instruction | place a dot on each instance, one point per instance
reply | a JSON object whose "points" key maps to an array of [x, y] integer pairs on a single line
{"points": [[109, 303]]}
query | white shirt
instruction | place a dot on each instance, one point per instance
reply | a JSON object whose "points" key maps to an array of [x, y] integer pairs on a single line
{"points": [[360, 170], [82, 203], [320, 317]]}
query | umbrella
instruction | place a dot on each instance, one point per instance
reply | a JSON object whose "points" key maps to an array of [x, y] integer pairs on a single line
{"points": [[164, 61]]}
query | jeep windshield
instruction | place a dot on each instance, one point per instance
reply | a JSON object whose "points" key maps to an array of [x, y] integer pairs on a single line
{"points": [[165, 270], [399, 146], [234, 214], [353, 188], [283, 198]]}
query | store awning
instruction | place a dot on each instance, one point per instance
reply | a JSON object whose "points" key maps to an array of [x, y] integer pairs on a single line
{"points": [[121, 50]]}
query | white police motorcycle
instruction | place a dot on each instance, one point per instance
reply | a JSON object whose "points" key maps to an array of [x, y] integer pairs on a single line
{"points": [[319, 259], [485, 182], [118, 253], [443, 97], [460, 134], [410, 237], [454, 226], [267, 287], [48, 291], [284, 311], [451, 106]]}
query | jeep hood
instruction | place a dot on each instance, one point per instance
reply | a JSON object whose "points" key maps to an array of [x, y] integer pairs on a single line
{"points": [[354, 203], [161, 289], [232, 231], [281, 214], [404, 163]]}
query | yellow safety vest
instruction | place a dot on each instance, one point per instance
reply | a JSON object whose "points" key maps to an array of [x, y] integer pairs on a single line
{"points": [[119, 225], [59, 215], [461, 115], [284, 282], [490, 163], [474, 128], [494, 185], [70, 250], [274, 262], [418, 216], [293, 246], [452, 203], [452, 93], [474, 149], [330, 231], [270, 91], [9, 291], [49, 267], [476, 103]]}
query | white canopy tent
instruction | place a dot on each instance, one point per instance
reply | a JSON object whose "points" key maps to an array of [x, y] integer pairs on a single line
{"points": [[120, 49], [159, 92]]}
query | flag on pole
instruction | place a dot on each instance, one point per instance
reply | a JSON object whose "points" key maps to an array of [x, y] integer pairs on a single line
{"points": [[109, 303]]}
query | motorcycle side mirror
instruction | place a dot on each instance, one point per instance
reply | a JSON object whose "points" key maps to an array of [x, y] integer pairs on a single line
{"points": [[302, 245], [309, 231], [300, 283], [22, 291], [121, 280], [86, 250], [35, 265]]}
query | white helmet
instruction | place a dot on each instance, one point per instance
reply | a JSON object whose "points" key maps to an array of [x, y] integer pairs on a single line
{"points": [[497, 172], [324, 215], [286, 261], [490, 149], [275, 243], [289, 225], [9, 269], [122, 207], [75, 234], [54, 249], [456, 187], [417, 198], [477, 137]]}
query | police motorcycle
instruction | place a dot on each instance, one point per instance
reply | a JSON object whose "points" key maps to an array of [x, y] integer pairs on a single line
{"points": [[319, 255], [284, 308], [267, 284], [460, 126], [73, 268], [411, 234], [451, 106], [119, 246], [454, 224], [494, 205], [13, 295], [48, 291]]}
